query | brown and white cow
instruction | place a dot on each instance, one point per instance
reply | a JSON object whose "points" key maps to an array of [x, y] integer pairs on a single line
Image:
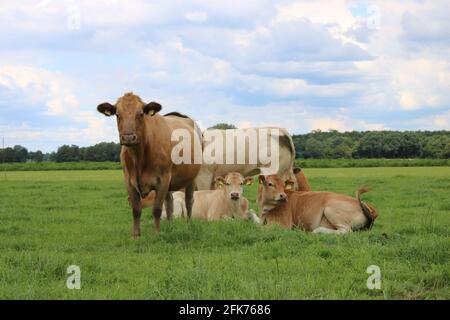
{"points": [[279, 137], [319, 212], [146, 142], [302, 181], [225, 202]]}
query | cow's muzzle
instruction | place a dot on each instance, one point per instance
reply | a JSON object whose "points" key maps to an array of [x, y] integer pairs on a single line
{"points": [[281, 198], [128, 139], [234, 196]]}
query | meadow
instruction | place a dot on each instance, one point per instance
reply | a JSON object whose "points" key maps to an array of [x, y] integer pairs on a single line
{"points": [[50, 220], [304, 163]]}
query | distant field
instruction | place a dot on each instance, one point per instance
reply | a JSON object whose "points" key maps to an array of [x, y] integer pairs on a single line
{"points": [[52, 219], [309, 163]]}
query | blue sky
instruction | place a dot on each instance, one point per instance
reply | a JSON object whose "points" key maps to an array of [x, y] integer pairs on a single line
{"points": [[302, 65]]}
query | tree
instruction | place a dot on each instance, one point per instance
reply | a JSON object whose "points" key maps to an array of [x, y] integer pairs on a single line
{"points": [[68, 153], [314, 149], [437, 147], [37, 156], [20, 153]]}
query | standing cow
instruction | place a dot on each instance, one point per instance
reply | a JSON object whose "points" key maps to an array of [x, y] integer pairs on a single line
{"points": [[146, 142], [280, 139]]}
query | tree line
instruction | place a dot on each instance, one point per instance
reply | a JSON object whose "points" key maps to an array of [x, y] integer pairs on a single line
{"points": [[314, 145], [373, 144], [104, 151]]}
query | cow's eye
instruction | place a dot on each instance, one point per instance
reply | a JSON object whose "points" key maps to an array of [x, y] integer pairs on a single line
{"points": [[227, 183], [118, 116], [141, 114], [270, 184]]}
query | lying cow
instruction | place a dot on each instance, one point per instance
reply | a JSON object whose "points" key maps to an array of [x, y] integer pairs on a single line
{"points": [[302, 181], [225, 202], [279, 138], [319, 212], [145, 156]]}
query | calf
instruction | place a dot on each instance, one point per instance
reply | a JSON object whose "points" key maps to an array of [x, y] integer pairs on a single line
{"points": [[319, 212], [225, 202]]}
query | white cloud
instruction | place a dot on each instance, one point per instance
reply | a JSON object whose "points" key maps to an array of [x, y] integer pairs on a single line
{"points": [[196, 16], [298, 64]]}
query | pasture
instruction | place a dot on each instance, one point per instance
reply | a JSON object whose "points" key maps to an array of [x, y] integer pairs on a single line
{"points": [[50, 220]]}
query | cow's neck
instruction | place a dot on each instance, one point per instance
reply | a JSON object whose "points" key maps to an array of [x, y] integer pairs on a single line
{"points": [[140, 154]]}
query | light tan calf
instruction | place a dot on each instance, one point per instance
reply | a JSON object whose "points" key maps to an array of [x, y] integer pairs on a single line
{"points": [[319, 212], [225, 202]]}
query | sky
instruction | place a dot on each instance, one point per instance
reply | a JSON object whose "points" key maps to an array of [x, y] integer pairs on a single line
{"points": [[301, 65]]}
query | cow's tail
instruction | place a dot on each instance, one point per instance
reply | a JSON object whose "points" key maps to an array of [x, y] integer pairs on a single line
{"points": [[368, 210]]}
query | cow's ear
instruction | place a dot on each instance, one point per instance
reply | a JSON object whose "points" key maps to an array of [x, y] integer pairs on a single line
{"points": [[152, 108], [262, 179], [297, 170], [248, 181], [220, 181], [289, 185], [106, 108]]}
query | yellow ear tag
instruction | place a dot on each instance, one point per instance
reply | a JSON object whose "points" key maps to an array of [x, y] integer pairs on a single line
{"points": [[107, 112], [288, 186], [152, 113]]}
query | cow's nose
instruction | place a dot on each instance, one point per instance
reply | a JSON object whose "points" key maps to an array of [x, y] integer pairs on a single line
{"points": [[282, 197], [234, 195], [128, 138]]}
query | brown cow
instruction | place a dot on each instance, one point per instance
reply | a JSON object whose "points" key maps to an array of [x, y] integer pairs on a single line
{"points": [[319, 212], [146, 142], [225, 202], [302, 181]]}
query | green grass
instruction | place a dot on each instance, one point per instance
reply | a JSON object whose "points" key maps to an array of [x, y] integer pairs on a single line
{"points": [[360, 163], [50, 220], [50, 166], [304, 163]]}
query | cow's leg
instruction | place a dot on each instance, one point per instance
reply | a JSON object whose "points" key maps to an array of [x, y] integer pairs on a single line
{"points": [[168, 202], [251, 215], [205, 178], [325, 230], [189, 198], [161, 194], [135, 201]]}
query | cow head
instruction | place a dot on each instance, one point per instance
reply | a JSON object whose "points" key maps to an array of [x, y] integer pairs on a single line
{"points": [[130, 112], [233, 184], [273, 189]]}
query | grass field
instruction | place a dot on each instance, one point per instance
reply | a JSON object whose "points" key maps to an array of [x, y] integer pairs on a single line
{"points": [[52, 219], [304, 163]]}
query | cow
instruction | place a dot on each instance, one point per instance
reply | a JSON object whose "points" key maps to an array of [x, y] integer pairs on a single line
{"points": [[302, 181], [318, 212], [278, 136], [145, 156], [227, 201]]}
